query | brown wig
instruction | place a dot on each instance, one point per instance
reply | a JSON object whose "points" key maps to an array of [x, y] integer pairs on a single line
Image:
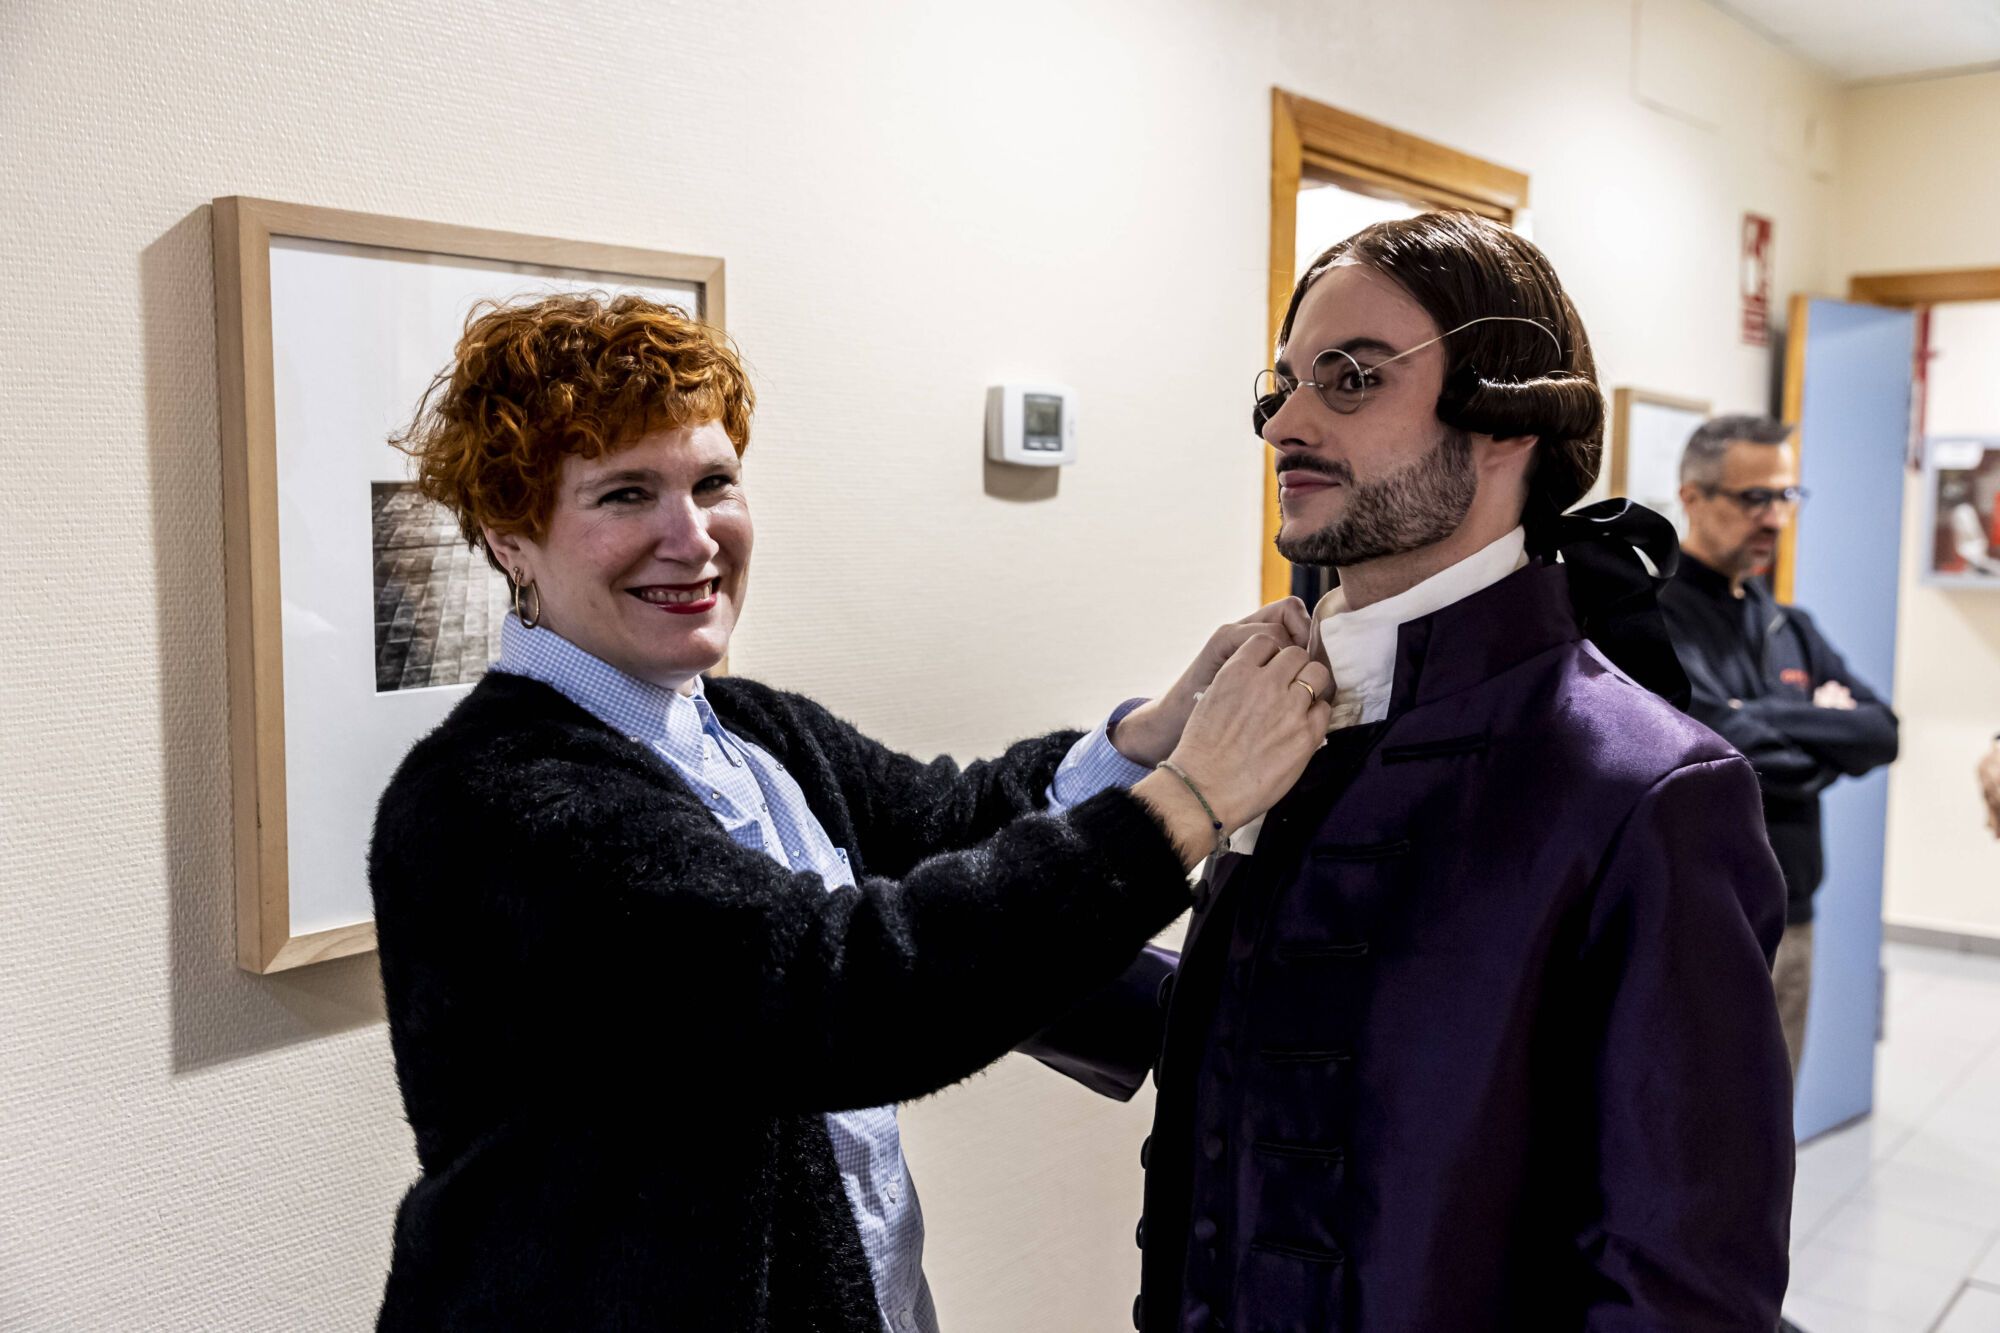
{"points": [[533, 383], [1501, 379]]}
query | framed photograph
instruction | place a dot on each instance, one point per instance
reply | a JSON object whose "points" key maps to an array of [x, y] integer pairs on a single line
{"points": [[1649, 431], [357, 616], [1962, 511]]}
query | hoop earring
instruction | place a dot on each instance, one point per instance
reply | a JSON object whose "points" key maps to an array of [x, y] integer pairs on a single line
{"points": [[527, 621]]}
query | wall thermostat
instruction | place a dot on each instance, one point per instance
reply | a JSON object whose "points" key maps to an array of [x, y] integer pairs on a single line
{"points": [[1031, 424]]}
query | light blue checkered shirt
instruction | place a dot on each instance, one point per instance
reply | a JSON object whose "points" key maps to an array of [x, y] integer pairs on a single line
{"points": [[753, 797]]}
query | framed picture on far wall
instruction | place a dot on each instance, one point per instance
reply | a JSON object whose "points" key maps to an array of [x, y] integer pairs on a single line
{"points": [[1649, 431], [357, 616], [1962, 500]]}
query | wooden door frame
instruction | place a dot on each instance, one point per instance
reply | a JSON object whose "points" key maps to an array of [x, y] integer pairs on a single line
{"points": [[1925, 287], [1309, 137], [1784, 571]]}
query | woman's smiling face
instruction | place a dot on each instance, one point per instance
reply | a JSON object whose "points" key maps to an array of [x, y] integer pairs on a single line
{"points": [[646, 554]]}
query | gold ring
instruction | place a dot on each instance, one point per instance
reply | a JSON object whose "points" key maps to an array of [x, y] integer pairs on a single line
{"points": [[1307, 688]]}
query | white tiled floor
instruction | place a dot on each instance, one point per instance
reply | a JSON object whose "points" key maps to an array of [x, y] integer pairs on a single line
{"points": [[1896, 1219]]}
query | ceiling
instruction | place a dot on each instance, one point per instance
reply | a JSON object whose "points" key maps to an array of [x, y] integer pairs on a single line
{"points": [[1857, 40]]}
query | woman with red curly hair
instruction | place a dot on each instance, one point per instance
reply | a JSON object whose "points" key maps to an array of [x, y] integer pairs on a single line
{"points": [[663, 951]]}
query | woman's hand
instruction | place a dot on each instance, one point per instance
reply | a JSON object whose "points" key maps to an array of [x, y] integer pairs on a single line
{"points": [[1149, 733], [1259, 721]]}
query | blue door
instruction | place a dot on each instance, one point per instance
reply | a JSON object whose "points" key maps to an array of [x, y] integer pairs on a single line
{"points": [[1854, 427]]}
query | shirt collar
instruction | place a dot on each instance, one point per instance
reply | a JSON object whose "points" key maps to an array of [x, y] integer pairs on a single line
{"points": [[1359, 647], [1756, 600], [1703, 578], [648, 713]]}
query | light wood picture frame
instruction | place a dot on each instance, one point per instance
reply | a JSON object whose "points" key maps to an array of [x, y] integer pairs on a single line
{"points": [[1649, 433], [329, 325], [1961, 513]]}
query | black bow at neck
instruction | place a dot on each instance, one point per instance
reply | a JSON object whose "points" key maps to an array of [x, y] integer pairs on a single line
{"points": [[1614, 593]]}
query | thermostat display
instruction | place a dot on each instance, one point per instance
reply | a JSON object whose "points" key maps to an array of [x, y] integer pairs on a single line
{"points": [[1044, 421], [1031, 424]]}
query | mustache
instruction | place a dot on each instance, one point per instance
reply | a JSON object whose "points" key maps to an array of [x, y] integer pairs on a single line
{"points": [[1336, 469]]}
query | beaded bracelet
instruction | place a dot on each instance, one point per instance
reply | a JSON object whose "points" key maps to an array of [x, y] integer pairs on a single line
{"points": [[1221, 838]]}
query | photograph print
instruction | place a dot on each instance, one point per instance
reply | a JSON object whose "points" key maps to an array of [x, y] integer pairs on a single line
{"points": [[1964, 484], [389, 616], [438, 603]]}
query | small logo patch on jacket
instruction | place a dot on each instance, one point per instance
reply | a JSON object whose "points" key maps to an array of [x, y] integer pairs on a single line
{"points": [[1796, 677]]}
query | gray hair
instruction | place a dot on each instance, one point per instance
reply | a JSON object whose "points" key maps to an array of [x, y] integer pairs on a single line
{"points": [[1701, 462]]}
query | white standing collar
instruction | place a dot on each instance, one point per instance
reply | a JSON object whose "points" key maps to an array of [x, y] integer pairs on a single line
{"points": [[1359, 647]]}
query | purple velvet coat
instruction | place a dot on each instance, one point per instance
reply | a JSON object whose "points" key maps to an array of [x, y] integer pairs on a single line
{"points": [[1482, 1036]]}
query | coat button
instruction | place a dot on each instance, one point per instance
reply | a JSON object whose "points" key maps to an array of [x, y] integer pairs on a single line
{"points": [[1139, 1311], [1139, 1236], [1204, 1228], [1145, 1152], [1164, 996], [1211, 1146]]}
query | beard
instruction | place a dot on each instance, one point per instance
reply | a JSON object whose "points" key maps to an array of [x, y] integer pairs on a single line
{"points": [[1745, 562], [1417, 506]]}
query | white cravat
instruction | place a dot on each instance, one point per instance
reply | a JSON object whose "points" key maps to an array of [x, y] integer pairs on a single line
{"points": [[1359, 647]]}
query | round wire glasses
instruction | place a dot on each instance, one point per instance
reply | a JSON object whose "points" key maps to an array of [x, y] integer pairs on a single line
{"points": [[1342, 379]]}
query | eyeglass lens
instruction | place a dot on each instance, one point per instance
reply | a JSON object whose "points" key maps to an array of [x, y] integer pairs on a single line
{"points": [[1340, 381]]}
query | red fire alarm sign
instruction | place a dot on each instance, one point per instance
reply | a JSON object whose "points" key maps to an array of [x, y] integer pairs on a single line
{"points": [[1756, 280]]}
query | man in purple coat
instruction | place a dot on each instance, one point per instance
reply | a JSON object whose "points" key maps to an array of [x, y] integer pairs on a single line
{"points": [[1476, 1032]]}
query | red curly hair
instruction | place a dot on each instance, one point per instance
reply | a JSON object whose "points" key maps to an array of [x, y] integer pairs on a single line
{"points": [[533, 383]]}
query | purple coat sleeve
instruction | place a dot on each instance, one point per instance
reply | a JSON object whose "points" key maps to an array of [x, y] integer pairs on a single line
{"points": [[1109, 1042], [1693, 1119]]}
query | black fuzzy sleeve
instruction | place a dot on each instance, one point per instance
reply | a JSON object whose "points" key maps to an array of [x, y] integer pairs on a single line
{"points": [[594, 912], [901, 809]]}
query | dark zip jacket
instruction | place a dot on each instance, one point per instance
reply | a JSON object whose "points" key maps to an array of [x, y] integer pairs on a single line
{"points": [[1754, 666]]}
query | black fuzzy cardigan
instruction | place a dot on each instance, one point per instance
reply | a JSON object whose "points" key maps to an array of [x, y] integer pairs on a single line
{"points": [[618, 1032]]}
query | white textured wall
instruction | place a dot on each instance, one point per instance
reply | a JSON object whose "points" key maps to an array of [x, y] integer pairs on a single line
{"points": [[914, 200], [1920, 189]]}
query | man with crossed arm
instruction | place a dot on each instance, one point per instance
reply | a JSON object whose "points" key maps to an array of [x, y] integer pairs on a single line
{"points": [[1763, 676]]}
